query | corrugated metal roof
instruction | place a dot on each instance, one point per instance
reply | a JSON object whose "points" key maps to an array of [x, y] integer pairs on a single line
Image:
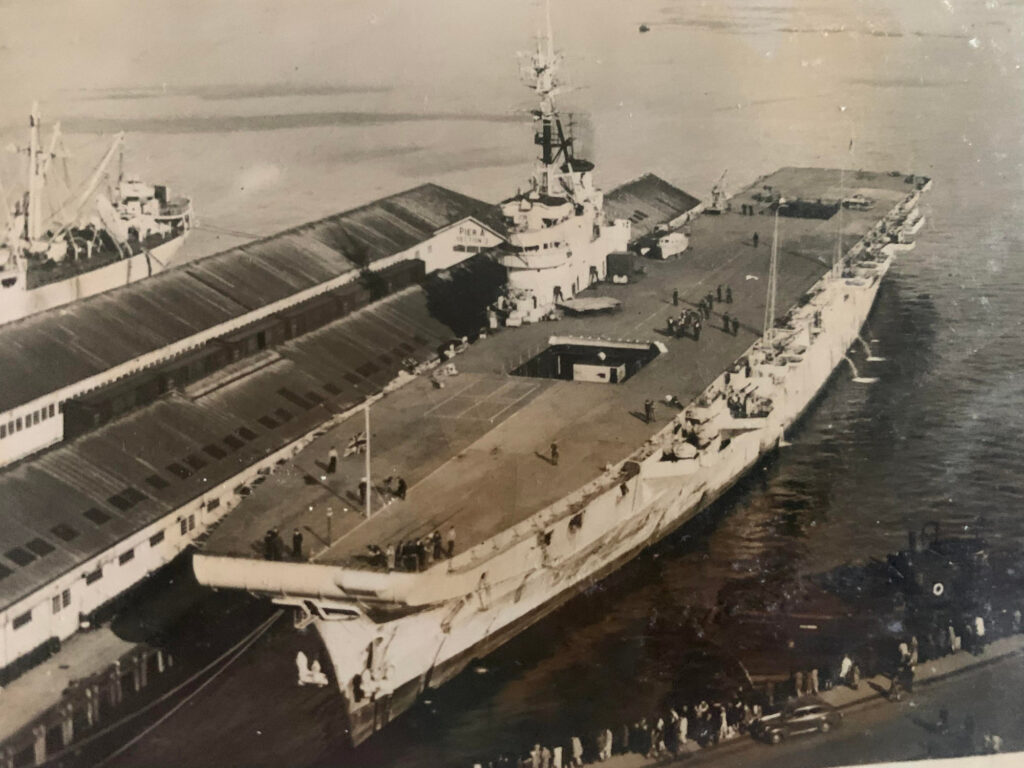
{"points": [[647, 202], [52, 350], [174, 449]]}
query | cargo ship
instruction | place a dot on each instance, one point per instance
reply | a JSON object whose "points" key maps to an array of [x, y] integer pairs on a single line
{"points": [[607, 400], [91, 240]]}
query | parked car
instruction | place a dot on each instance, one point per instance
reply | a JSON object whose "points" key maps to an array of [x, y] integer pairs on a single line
{"points": [[804, 716]]}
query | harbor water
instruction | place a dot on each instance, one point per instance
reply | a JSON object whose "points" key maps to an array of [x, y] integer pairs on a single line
{"points": [[266, 131]]}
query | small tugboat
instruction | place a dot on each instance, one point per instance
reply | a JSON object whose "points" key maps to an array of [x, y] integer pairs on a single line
{"points": [[88, 242]]}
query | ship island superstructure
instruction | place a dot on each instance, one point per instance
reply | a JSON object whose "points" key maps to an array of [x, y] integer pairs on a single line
{"points": [[91, 240], [557, 451], [558, 235]]}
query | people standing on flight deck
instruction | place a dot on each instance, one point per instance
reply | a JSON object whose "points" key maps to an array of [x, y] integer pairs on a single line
{"points": [[332, 460], [554, 453], [649, 410], [735, 326], [390, 557], [728, 295], [726, 323], [451, 542], [297, 544], [756, 239], [675, 297], [401, 488], [435, 539], [718, 293]]}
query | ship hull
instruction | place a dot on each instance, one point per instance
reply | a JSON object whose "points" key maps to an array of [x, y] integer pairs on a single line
{"points": [[394, 662], [22, 303]]}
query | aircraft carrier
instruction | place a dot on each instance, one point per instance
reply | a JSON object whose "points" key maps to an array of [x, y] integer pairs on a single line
{"points": [[607, 397]]}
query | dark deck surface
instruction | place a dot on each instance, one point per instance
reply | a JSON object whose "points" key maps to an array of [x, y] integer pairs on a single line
{"points": [[474, 453]]}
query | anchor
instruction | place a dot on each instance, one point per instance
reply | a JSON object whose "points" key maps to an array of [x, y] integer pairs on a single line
{"points": [[856, 374], [871, 358]]}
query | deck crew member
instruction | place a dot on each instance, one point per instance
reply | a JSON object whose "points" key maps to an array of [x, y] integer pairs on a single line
{"points": [[332, 460], [435, 540], [400, 488], [363, 490], [390, 556], [735, 326], [297, 544], [718, 293], [554, 453], [649, 410], [451, 542], [756, 239], [726, 323], [675, 297], [697, 325], [278, 545], [728, 295]]}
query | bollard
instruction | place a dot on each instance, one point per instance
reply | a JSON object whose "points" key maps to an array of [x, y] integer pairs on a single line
{"points": [[114, 691], [90, 715], [39, 744], [136, 673], [96, 709], [67, 723]]}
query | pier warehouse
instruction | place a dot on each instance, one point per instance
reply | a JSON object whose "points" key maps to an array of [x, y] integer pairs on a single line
{"points": [[132, 422], [159, 401]]}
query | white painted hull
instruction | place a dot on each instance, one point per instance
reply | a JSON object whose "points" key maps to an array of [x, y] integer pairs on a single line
{"points": [[430, 646], [17, 303]]}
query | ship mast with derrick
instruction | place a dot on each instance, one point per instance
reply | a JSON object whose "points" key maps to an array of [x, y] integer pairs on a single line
{"points": [[559, 238]]}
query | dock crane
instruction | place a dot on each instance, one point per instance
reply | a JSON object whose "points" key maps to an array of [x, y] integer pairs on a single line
{"points": [[719, 200]]}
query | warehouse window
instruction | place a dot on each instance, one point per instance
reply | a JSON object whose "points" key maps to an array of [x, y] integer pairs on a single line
{"points": [[214, 451], [65, 598], [184, 526], [156, 538], [41, 547], [157, 482], [20, 556], [92, 578], [176, 469], [191, 522], [97, 516], [64, 532], [50, 410], [56, 603], [194, 461], [212, 504], [3, 431], [126, 557], [17, 423], [21, 621]]}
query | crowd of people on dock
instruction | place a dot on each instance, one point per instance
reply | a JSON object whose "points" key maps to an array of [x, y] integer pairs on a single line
{"points": [[682, 729]]}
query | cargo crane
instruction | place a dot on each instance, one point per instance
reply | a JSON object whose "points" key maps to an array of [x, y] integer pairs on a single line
{"points": [[719, 200]]}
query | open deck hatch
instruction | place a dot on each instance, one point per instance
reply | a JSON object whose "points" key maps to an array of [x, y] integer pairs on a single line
{"points": [[599, 361]]}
